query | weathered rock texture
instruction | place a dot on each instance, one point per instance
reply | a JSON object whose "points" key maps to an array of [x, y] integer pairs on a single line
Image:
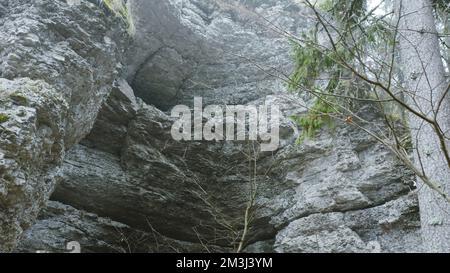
{"points": [[222, 51], [59, 223], [338, 192], [57, 64]]}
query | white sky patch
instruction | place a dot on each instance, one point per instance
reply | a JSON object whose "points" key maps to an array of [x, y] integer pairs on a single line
{"points": [[371, 4]]}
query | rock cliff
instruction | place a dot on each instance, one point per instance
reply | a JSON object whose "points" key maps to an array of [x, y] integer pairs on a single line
{"points": [[87, 126], [57, 64]]}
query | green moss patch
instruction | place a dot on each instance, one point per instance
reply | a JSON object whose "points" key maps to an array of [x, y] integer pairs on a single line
{"points": [[3, 117]]}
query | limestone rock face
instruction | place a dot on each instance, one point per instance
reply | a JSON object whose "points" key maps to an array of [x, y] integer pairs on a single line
{"points": [[391, 227], [59, 223], [57, 64], [126, 186], [181, 189], [32, 148], [223, 51]]}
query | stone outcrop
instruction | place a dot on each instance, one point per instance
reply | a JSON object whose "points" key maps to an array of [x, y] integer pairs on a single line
{"points": [[126, 186], [57, 64], [179, 190], [59, 223], [222, 51], [391, 227]]}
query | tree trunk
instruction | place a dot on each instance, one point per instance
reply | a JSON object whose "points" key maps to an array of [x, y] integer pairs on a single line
{"points": [[425, 80]]}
